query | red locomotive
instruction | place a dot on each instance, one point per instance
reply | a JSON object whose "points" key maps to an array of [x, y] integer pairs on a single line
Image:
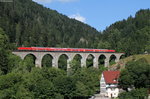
{"points": [[63, 49]]}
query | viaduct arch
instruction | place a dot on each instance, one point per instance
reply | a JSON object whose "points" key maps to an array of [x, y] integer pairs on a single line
{"points": [[55, 57]]}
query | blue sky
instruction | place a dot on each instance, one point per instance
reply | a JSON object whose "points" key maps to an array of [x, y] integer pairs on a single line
{"points": [[97, 13]]}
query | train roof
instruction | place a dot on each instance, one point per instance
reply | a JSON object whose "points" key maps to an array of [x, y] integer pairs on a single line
{"points": [[69, 48]]}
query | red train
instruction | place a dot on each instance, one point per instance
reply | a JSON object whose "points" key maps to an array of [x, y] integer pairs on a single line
{"points": [[63, 49]]}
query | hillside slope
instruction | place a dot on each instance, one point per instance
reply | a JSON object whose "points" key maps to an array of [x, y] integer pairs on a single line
{"points": [[30, 24], [122, 63], [131, 36]]}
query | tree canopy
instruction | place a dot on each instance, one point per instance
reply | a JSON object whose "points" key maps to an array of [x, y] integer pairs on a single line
{"points": [[131, 36], [135, 76], [29, 24], [26, 23]]}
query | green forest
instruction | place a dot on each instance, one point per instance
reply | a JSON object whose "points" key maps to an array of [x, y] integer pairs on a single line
{"points": [[135, 76], [20, 79], [26, 23], [131, 36], [30, 24]]}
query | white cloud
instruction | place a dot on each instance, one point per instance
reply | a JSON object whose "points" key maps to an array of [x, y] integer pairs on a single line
{"points": [[66, 0], [49, 1], [44, 1], [78, 17]]}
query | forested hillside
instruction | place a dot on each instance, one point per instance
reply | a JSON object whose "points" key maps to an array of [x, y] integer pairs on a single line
{"points": [[20, 79], [26, 23], [30, 24], [132, 35]]}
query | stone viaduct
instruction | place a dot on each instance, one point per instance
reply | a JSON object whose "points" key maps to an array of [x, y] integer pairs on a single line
{"points": [[70, 55]]}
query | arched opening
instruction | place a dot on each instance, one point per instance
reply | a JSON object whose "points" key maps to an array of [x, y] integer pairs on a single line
{"points": [[76, 62], [101, 60], [29, 62], [121, 62], [47, 60], [112, 60], [62, 62], [122, 56], [30, 58], [89, 61]]}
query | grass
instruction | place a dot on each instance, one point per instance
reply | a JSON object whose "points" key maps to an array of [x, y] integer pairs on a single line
{"points": [[121, 64], [137, 57]]}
